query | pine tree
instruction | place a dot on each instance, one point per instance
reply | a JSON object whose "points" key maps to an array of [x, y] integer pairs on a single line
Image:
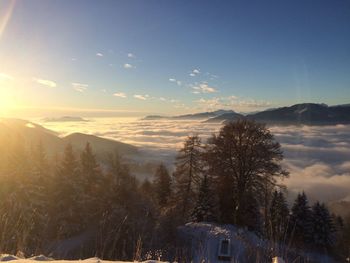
{"points": [[204, 209], [37, 188], [92, 184], [187, 174], [66, 214], [323, 234], [301, 221], [162, 185], [279, 216]]}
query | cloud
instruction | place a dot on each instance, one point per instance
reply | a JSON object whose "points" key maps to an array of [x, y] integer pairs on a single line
{"points": [[178, 82], [45, 82], [141, 97], [128, 66], [162, 99], [120, 95], [131, 55], [316, 156], [203, 88], [195, 72], [5, 76], [230, 102], [99, 54], [79, 86]]}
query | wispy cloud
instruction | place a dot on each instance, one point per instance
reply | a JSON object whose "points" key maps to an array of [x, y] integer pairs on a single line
{"points": [[203, 88], [195, 72], [45, 82], [141, 97], [128, 66], [120, 95], [131, 55], [5, 76], [79, 86], [99, 54], [178, 82], [231, 102]]}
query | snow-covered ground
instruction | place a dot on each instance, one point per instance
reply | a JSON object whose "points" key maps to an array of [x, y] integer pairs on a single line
{"points": [[6, 257], [203, 241]]}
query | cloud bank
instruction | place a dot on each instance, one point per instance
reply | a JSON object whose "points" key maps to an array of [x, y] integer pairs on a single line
{"points": [[317, 157]]}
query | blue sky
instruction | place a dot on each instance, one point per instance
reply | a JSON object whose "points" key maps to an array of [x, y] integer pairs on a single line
{"points": [[169, 57]]}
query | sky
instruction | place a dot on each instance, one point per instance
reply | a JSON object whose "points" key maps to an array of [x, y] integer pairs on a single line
{"points": [[133, 58]]}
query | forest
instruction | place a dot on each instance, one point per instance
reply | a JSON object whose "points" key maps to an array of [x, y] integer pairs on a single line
{"points": [[100, 209]]}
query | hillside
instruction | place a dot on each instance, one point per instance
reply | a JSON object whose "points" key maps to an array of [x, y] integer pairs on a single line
{"points": [[16, 130], [100, 145]]}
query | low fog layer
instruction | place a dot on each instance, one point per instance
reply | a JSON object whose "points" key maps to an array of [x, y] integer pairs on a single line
{"points": [[318, 157]]}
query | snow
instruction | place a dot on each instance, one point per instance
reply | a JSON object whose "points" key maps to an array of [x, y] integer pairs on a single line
{"points": [[7, 257], [204, 240]]}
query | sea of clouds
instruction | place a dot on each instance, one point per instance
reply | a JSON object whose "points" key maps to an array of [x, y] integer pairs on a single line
{"points": [[317, 157]]}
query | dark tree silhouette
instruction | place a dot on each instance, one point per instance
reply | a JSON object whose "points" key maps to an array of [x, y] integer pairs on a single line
{"points": [[323, 232], [162, 185], [301, 221], [204, 209], [189, 168], [279, 217], [245, 160]]}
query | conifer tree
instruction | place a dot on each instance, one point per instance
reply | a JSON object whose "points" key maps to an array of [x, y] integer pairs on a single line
{"points": [[66, 214], [92, 184], [301, 221], [187, 174], [162, 185], [204, 209], [323, 234], [279, 216]]}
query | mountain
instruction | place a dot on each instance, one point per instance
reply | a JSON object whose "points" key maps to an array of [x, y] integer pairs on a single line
{"points": [[65, 119], [14, 130], [195, 116], [230, 116], [98, 144], [155, 117], [304, 113]]}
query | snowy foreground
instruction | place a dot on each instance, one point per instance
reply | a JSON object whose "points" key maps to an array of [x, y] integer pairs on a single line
{"points": [[202, 241], [6, 257]]}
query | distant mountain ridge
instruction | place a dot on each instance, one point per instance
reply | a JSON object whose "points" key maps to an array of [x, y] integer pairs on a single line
{"points": [[304, 113], [65, 119], [194, 116]]}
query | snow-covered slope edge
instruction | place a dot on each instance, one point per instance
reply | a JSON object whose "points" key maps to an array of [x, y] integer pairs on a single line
{"points": [[7, 257], [202, 241]]}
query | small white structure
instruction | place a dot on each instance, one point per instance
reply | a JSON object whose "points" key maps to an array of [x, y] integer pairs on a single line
{"points": [[277, 260]]}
